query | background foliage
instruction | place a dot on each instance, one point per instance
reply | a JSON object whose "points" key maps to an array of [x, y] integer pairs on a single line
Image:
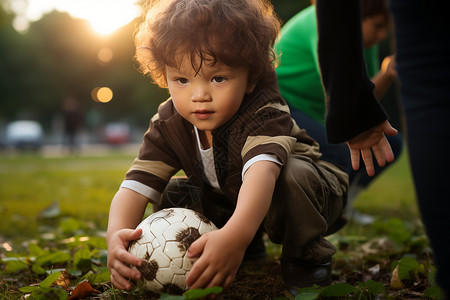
{"points": [[58, 56]]}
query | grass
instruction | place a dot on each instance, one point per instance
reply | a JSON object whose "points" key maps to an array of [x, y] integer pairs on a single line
{"points": [[391, 194], [83, 187]]}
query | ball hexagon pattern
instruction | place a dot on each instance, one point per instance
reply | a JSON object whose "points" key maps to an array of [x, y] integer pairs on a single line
{"points": [[166, 237]]}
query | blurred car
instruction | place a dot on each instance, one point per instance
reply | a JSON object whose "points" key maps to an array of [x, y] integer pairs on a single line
{"points": [[24, 134], [117, 133]]}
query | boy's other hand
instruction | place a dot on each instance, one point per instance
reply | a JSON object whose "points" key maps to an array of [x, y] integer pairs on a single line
{"points": [[119, 257], [220, 255]]}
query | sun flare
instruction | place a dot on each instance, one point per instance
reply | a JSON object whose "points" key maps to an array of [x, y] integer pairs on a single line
{"points": [[105, 16]]}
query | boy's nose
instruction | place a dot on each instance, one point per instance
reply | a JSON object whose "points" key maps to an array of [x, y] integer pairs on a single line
{"points": [[200, 94]]}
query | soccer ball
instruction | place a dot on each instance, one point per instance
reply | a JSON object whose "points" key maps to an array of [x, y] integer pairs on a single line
{"points": [[166, 237]]}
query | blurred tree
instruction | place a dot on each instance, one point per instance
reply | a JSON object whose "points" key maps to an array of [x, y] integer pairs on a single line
{"points": [[288, 8], [15, 60], [58, 56]]}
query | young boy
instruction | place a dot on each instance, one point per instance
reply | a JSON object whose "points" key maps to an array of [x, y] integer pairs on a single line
{"points": [[226, 126]]}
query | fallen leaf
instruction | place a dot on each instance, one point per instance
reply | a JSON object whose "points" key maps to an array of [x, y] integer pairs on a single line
{"points": [[375, 270], [82, 290], [63, 280], [377, 245], [51, 211], [396, 283]]}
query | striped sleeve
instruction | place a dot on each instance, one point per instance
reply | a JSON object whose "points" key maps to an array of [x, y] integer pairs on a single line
{"points": [[154, 166], [269, 133], [274, 132]]}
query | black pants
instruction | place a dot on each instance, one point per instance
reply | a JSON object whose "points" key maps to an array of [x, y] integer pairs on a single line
{"points": [[307, 204], [423, 64]]}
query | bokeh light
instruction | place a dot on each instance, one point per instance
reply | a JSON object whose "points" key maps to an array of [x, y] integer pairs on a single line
{"points": [[105, 55], [102, 94]]}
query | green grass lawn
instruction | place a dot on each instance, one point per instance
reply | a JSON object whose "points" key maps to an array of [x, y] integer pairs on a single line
{"points": [[83, 187], [391, 194]]}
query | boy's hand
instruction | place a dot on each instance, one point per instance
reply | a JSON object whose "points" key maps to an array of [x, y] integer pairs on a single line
{"points": [[220, 257], [119, 257]]}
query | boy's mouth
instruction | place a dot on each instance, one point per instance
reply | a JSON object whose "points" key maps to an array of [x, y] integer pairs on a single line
{"points": [[203, 114]]}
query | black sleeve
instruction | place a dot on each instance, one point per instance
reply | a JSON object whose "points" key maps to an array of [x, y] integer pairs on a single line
{"points": [[351, 105]]}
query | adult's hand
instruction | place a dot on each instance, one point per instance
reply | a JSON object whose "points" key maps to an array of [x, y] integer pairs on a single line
{"points": [[372, 140]]}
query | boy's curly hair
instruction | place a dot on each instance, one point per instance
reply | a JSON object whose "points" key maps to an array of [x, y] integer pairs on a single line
{"points": [[238, 33]]}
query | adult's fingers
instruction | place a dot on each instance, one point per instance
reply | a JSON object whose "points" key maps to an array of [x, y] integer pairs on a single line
{"points": [[355, 157], [387, 150], [367, 158], [379, 155]]}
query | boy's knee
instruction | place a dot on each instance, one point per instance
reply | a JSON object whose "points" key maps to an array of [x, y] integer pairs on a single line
{"points": [[300, 172], [305, 183]]}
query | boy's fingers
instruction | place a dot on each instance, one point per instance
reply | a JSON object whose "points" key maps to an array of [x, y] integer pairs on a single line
{"points": [[126, 271], [125, 257], [119, 281], [198, 270], [196, 248], [198, 276], [120, 274], [137, 233], [127, 236], [130, 234], [228, 282], [218, 280]]}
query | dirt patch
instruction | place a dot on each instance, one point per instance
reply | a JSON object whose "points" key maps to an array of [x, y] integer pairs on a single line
{"points": [[257, 279]]}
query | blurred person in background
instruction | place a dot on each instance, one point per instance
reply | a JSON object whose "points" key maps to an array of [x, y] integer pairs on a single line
{"points": [[299, 79], [354, 115], [73, 120]]}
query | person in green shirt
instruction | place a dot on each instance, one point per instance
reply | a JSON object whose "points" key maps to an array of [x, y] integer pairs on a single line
{"points": [[300, 84]]}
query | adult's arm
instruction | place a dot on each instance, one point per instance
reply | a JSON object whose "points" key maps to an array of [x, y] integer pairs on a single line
{"points": [[354, 115], [351, 105]]}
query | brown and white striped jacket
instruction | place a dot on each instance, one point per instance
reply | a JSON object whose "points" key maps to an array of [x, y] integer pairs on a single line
{"points": [[262, 125]]}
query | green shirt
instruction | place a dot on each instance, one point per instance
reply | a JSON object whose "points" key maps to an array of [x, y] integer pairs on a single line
{"points": [[298, 70]]}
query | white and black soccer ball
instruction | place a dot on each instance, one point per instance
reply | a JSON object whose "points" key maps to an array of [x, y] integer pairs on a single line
{"points": [[166, 237]]}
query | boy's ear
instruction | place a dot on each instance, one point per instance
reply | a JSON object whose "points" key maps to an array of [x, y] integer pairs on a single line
{"points": [[250, 87]]}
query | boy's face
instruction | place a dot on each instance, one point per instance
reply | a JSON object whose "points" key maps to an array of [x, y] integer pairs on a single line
{"points": [[210, 98], [374, 30]]}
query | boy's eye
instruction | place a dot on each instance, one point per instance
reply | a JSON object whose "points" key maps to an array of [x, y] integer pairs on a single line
{"points": [[182, 80], [218, 79]]}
